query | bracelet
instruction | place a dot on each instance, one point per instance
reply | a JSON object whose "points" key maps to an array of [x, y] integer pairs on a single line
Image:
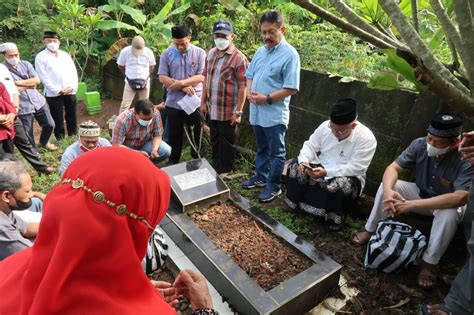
{"points": [[205, 311]]}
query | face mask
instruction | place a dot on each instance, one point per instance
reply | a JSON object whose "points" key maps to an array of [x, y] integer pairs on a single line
{"points": [[432, 151], [21, 205], [85, 149], [13, 61], [53, 46], [221, 43], [144, 123]]}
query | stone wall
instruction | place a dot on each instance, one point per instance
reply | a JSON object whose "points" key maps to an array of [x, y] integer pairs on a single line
{"points": [[396, 117]]}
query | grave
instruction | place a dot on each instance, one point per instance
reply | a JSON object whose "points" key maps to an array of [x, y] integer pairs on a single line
{"points": [[195, 187]]}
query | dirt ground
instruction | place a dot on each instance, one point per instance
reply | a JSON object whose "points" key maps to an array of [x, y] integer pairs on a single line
{"points": [[380, 293]]}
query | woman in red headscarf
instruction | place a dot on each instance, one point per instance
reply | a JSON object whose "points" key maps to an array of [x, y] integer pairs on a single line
{"points": [[7, 112], [92, 238]]}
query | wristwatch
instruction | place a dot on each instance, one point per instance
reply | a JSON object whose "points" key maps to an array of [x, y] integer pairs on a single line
{"points": [[269, 99], [238, 113]]}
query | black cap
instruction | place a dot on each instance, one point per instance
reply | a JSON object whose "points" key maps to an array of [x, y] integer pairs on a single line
{"points": [[179, 32], [223, 27], [344, 111], [50, 34], [446, 125]]}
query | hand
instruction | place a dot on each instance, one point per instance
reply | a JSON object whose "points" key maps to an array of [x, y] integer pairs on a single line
{"points": [[8, 120], [404, 206], [65, 91], [176, 85], [388, 204], [144, 153], [154, 154], [188, 90], [19, 82], [302, 166], [203, 109], [160, 106], [235, 120], [39, 195], [167, 291], [193, 285], [467, 147], [316, 173], [22, 88], [257, 98]]}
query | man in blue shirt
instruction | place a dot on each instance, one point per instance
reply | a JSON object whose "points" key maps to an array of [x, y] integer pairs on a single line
{"points": [[272, 77]]}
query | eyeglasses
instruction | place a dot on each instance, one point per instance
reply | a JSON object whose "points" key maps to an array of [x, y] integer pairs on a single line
{"points": [[339, 131]]}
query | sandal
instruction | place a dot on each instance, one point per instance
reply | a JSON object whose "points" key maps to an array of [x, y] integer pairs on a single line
{"points": [[336, 222], [428, 273], [361, 238]]}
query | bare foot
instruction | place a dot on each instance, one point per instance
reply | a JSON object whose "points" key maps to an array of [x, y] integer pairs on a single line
{"points": [[433, 310], [427, 278], [361, 238]]}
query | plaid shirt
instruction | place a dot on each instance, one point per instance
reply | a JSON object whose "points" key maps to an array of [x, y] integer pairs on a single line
{"points": [[129, 132], [222, 92]]}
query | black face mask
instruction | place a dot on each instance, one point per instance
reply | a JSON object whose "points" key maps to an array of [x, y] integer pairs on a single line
{"points": [[21, 205]]}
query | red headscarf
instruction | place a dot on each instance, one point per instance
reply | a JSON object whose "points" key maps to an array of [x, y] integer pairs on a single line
{"points": [[87, 258]]}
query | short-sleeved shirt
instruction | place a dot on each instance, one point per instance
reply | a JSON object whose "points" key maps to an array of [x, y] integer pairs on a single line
{"points": [[136, 67], [436, 176], [31, 100], [224, 76], [11, 238], [129, 132], [271, 70], [74, 151], [180, 66]]}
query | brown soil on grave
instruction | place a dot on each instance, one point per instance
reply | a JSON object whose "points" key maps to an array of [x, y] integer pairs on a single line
{"points": [[263, 256]]}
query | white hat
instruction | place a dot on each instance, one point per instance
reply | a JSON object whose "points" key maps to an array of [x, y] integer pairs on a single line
{"points": [[7, 46]]}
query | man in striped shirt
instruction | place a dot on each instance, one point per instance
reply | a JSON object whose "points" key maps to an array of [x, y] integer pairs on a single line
{"points": [[141, 129], [224, 94]]}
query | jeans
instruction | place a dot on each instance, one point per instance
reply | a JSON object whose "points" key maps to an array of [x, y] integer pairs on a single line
{"points": [[271, 154], [46, 122], [129, 95], [63, 107], [164, 151]]}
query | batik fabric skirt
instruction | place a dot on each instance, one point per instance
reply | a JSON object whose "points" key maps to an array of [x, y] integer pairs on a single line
{"points": [[327, 198]]}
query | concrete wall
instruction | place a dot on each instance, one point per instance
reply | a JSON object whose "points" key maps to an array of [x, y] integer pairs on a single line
{"points": [[396, 117]]}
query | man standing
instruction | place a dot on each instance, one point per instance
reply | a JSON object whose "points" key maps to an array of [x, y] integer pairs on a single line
{"points": [[32, 103], [224, 94], [15, 194], [141, 129], [58, 74], [329, 173], [181, 71], [136, 62], [440, 190], [89, 139], [272, 77], [21, 139]]}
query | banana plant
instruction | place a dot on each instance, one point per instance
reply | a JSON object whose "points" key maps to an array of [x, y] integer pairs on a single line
{"points": [[154, 29]]}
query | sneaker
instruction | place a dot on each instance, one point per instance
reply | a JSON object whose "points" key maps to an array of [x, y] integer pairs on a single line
{"points": [[253, 182], [268, 195]]}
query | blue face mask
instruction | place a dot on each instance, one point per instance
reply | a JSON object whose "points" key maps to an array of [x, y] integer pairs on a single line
{"points": [[144, 123]]}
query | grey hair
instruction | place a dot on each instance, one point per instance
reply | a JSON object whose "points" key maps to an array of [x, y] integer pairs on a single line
{"points": [[10, 173]]}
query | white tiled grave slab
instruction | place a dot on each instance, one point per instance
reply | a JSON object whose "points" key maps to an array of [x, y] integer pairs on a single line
{"points": [[182, 262], [196, 182]]}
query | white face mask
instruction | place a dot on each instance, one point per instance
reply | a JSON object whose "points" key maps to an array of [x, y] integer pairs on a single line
{"points": [[53, 46], [13, 61], [221, 43], [432, 151], [144, 123]]}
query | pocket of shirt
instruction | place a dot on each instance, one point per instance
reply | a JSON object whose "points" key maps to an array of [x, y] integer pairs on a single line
{"points": [[274, 75]]}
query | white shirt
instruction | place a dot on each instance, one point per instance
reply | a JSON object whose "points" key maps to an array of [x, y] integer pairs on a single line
{"points": [[56, 72], [136, 67], [349, 157], [7, 80]]}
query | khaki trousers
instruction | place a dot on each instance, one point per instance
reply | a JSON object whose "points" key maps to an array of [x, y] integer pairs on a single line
{"points": [[129, 95]]}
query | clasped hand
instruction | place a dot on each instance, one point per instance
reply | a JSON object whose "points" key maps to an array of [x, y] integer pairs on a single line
{"points": [[394, 204]]}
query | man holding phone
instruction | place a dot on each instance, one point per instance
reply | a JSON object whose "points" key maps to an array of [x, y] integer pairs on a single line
{"points": [[329, 173]]}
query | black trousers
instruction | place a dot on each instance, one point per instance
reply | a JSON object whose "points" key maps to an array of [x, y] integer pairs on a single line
{"points": [[63, 107], [222, 141], [6, 147], [26, 149], [177, 119]]}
